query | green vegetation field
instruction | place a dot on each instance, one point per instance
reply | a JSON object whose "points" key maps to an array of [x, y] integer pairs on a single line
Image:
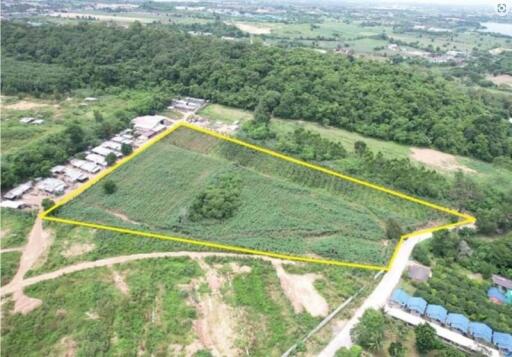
{"points": [[281, 206], [15, 227]]}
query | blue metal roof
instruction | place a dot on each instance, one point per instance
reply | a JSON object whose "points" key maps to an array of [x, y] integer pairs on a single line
{"points": [[400, 297], [503, 341], [481, 331], [417, 304], [437, 312], [495, 293], [458, 321]]}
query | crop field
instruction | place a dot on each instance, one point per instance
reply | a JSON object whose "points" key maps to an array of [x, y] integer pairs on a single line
{"points": [[283, 207]]}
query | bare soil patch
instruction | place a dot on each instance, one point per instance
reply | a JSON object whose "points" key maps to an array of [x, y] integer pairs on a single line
{"points": [[301, 292], [505, 79], [123, 217], [24, 105], [253, 29], [438, 160], [78, 249], [120, 282]]}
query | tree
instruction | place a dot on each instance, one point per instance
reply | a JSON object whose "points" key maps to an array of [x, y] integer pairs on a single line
{"points": [[396, 349], [393, 230], [47, 203], [369, 333], [111, 159], [126, 149], [98, 117], [354, 351], [261, 114], [360, 147], [426, 338], [109, 187]]}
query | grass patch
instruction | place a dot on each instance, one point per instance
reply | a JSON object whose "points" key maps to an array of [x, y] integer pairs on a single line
{"points": [[283, 207], [9, 262], [16, 226]]}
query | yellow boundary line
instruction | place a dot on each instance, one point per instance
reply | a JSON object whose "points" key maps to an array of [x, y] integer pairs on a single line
{"points": [[466, 219]]}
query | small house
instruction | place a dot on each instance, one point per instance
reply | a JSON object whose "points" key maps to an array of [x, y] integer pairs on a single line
{"points": [[480, 332], [504, 285], [57, 169], [18, 191], [75, 175], [399, 298], [458, 322], [416, 305], [27, 120], [52, 185], [13, 204], [503, 341], [436, 313], [96, 159]]}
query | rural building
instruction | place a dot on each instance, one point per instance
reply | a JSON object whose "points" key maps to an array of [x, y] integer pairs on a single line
{"points": [[13, 204], [18, 191], [112, 145], [37, 122], [96, 159], [149, 125], [503, 341], [90, 99], [75, 175], [103, 151], [436, 313], [496, 296], [416, 305], [27, 120], [399, 298], [480, 332], [57, 169], [122, 139], [502, 283], [187, 104], [86, 166], [458, 322], [52, 185], [418, 272]]}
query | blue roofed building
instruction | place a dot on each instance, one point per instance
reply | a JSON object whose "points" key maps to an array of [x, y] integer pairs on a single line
{"points": [[496, 296], [480, 332], [399, 297], [503, 341], [416, 305], [458, 322], [436, 313]]}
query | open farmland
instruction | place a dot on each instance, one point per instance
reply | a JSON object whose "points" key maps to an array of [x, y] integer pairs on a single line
{"points": [[282, 207]]}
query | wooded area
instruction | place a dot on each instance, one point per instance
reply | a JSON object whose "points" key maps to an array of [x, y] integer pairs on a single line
{"points": [[373, 98]]}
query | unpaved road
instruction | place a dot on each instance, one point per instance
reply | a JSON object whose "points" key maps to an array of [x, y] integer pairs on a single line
{"points": [[16, 285]]}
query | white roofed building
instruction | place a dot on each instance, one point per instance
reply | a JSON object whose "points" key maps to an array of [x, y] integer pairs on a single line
{"points": [[52, 185], [18, 191], [75, 175], [97, 159], [86, 166], [150, 125]]}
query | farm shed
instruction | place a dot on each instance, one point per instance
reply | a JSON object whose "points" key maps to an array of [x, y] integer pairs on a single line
{"points": [[96, 159], [416, 305], [458, 322], [103, 151], [112, 145], [150, 123], [399, 297], [75, 175], [418, 272], [18, 191], [52, 185], [13, 204], [503, 341], [87, 166], [437, 313], [57, 169], [480, 331]]}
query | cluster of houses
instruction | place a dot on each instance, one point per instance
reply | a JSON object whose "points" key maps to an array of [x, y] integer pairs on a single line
{"points": [[480, 332], [80, 168]]}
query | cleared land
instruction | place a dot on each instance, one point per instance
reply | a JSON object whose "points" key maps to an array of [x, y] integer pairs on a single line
{"points": [[282, 207]]}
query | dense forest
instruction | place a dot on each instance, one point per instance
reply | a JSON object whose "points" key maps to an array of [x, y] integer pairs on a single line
{"points": [[382, 100]]}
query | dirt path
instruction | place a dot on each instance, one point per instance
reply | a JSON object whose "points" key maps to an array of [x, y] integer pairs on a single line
{"points": [[18, 284], [37, 244]]}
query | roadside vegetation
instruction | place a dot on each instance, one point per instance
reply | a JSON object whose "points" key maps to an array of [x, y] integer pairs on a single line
{"points": [[9, 262]]}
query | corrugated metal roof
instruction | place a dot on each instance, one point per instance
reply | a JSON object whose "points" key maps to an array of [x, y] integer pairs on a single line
{"points": [[400, 297], [437, 312], [458, 321], [495, 293], [502, 281], [503, 341], [417, 304], [481, 331]]}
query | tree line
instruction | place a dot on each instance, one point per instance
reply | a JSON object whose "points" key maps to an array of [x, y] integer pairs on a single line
{"points": [[382, 100]]}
